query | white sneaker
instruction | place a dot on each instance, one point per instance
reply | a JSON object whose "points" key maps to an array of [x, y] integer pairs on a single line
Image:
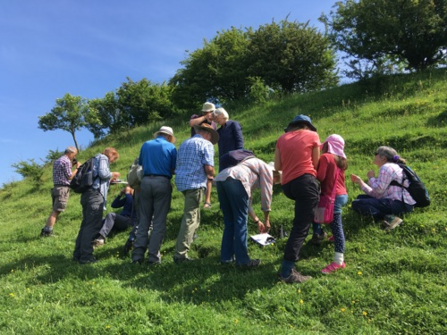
{"points": [[392, 222], [99, 242]]}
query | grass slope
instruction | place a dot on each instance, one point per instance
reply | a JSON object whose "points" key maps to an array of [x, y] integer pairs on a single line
{"points": [[394, 282]]}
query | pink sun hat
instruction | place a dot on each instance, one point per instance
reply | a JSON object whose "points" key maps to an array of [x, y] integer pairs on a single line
{"points": [[335, 145]]}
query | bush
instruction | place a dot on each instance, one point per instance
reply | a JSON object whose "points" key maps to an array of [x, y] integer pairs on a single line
{"points": [[30, 170]]}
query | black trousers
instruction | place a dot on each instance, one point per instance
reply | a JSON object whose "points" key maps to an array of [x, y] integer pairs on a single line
{"points": [[92, 208], [304, 190]]}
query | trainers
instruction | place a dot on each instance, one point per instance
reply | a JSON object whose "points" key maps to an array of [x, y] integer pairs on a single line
{"points": [[317, 238], [333, 267], [46, 233], [391, 222], [294, 277], [99, 242], [253, 263]]}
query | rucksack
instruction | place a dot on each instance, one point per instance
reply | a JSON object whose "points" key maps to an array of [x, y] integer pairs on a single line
{"points": [[416, 187], [234, 157], [135, 175], [83, 179]]}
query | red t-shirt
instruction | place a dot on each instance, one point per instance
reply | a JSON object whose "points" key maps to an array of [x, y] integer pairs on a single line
{"points": [[295, 150], [326, 174]]}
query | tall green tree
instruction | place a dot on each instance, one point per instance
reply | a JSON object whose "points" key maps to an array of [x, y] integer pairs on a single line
{"points": [[68, 115], [217, 72], [410, 31], [291, 57]]}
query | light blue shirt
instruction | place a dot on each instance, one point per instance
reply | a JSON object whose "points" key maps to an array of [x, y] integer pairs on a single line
{"points": [[193, 154], [101, 175]]}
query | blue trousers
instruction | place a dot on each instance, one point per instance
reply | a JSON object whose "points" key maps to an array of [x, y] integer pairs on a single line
{"points": [[378, 208], [233, 201]]}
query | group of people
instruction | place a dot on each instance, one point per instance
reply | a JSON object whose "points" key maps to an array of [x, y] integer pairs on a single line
{"points": [[305, 168]]}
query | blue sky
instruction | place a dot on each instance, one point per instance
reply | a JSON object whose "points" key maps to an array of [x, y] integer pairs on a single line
{"points": [[88, 48]]}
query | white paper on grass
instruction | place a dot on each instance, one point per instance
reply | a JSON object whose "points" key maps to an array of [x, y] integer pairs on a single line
{"points": [[262, 239]]}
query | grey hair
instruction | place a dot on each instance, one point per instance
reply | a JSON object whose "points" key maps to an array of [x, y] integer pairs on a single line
{"points": [[387, 152], [70, 150], [221, 111]]}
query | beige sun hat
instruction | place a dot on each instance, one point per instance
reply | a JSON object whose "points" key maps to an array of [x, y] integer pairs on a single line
{"points": [[208, 107], [208, 128], [166, 131]]}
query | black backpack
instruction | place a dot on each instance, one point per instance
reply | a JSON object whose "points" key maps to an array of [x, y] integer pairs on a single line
{"points": [[83, 179], [416, 188]]}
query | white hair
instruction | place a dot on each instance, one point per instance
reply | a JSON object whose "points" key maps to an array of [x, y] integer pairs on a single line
{"points": [[70, 150], [221, 111]]}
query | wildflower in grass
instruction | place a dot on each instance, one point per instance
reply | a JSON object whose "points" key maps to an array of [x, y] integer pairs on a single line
{"points": [[365, 313], [359, 273], [236, 321], [301, 301], [343, 310], [12, 270], [12, 295], [433, 230], [299, 291], [107, 327], [353, 302]]}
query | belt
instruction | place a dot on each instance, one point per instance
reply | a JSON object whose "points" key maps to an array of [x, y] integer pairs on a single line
{"points": [[157, 175]]}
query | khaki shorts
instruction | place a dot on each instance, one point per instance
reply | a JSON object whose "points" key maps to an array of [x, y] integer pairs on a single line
{"points": [[60, 196]]}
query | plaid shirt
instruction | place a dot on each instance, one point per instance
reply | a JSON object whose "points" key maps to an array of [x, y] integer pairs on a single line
{"points": [[252, 173], [62, 171], [380, 187], [192, 155]]}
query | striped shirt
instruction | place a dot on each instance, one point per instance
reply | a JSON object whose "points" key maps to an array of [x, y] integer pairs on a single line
{"points": [[192, 155], [62, 171], [252, 173], [380, 187]]}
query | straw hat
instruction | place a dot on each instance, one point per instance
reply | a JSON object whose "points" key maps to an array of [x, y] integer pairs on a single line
{"points": [[208, 128]]}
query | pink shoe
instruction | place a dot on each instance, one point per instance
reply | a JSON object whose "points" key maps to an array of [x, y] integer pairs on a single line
{"points": [[331, 238], [333, 267]]}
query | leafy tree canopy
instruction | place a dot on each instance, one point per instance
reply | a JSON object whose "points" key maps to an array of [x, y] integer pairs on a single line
{"points": [[68, 115], [410, 31]]}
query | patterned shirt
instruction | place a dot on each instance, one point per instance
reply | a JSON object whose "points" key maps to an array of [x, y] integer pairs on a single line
{"points": [[192, 155], [380, 187], [252, 173], [62, 171]]}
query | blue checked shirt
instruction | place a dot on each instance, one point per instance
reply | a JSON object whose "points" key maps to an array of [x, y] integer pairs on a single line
{"points": [[192, 155]]}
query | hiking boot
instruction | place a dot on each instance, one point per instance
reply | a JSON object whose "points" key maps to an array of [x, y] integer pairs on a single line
{"points": [[391, 222], [294, 277], [99, 242], [182, 260], [317, 238], [90, 260], [253, 263], [333, 267], [128, 246], [46, 233]]}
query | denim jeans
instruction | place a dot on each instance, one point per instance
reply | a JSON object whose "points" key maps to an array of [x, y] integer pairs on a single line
{"points": [[378, 208], [234, 204]]}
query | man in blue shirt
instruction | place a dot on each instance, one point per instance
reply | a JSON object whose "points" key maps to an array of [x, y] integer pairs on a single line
{"points": [[195, 165], [158, 158]]}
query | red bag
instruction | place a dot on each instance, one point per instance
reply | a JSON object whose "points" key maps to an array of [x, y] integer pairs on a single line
{"points": [[324, 212]]}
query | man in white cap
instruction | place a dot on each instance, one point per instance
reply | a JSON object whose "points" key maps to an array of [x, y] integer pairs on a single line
{"points": [[196, 120], [158, 158]]}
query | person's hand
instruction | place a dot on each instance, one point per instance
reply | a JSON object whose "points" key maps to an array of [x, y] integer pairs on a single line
{"points": [[115, 175], [78, 164], [356, 179], [371, 174], [264, 227]]}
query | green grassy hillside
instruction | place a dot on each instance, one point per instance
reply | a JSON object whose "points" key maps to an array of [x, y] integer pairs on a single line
{"points": [[394, 282]]}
